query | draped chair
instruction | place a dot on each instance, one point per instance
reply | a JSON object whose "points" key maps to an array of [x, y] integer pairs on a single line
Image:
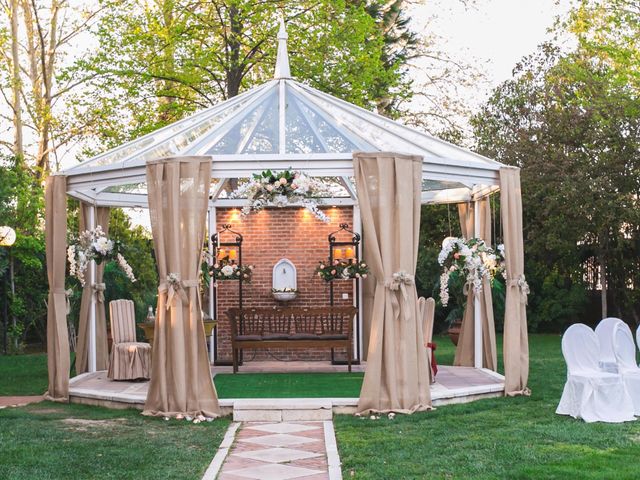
{"points": [[427, 308], [129, 360]]}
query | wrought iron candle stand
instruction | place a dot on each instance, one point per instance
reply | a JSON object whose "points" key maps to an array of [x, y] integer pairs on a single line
{"points": [[354, 244], [220, 245]]}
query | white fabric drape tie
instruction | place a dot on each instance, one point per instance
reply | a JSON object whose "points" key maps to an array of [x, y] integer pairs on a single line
{"points": [[175, 286], [520, 282], [99, 289]]}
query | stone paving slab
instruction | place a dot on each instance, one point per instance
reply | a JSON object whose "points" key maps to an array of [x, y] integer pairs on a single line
{"points": [[282, 451]]}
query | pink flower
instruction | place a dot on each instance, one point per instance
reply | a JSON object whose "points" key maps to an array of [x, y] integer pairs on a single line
{"points": [[215, 265], [336, 262], [322, 266], [357, 275], [456, 255], [364, 275], [333, 272]]}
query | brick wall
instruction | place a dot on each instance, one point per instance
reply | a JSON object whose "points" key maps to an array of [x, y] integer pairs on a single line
{"points": [[270, 235]]}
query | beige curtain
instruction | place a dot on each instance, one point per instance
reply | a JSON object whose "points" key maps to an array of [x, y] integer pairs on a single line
{"points": [[515, 343], [58, 361], [465, 350], [397, 373], [82, 348], [181, 381]]}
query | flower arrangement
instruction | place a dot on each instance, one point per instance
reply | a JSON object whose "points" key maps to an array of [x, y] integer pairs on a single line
{"points": [[342, 270], [95, 245], [472, 259], [282, 189], [284, 290], [224, 269]]}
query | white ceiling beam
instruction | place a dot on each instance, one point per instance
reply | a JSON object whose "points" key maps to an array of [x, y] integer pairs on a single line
{"points": [[324, 202]]}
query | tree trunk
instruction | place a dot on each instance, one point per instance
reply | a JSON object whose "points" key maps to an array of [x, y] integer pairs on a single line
{"points": [[603, 285], [234, 71], [15, 81]]}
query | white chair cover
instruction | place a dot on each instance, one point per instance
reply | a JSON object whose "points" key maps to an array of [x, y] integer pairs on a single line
{"points": [[625, 350], [638, 336], [589, 393], [604, 332]]}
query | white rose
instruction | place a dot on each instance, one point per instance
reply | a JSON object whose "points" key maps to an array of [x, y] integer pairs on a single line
{"points": [[227, 270]]}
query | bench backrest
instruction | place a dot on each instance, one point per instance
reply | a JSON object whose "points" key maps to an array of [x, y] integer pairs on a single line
{"points": [[290, 320]]}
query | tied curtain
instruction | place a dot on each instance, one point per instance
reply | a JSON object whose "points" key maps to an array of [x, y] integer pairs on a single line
{"points": [[465, 349], [58, 360], [389, 193], [181, 382], [516, 345], [82, 348]]}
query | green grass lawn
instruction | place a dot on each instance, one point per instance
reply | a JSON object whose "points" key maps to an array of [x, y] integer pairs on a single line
{"points": [[288, 385], [503, 438], [506, 438], [53, 441], [23, 374]]}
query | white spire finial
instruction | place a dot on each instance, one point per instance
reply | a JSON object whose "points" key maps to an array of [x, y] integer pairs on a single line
{"points": [[282, 60]]}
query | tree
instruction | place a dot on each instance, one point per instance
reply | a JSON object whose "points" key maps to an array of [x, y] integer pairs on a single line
{"points": [[574, 129], [40, 35], [21, 207], [164, 60]]}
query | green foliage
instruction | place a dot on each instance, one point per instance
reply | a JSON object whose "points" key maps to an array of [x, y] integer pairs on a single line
{"points": [[22, 208], [138, 250]]}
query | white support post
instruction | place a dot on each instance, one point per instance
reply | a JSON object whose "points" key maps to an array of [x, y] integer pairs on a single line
{"points": [[212, 312], [92, 357], [357, 228], [477, 315]]}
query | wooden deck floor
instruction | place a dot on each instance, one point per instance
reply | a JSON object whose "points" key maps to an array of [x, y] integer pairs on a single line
{"points": [[453, 385]]}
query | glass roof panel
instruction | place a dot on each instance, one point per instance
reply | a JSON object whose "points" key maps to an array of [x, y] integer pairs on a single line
{"points": [[256, 131], [169, 140], [335, 142], [265, 137], [300, 137]]}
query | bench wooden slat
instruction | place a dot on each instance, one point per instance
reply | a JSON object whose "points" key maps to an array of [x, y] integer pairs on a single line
{"points": [[292, 327]]}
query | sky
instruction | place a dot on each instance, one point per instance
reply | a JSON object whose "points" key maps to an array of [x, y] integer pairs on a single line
{"points": [[493, 34]]}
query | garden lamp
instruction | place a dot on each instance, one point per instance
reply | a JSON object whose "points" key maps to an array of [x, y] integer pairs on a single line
{"points": [[7, 236]]}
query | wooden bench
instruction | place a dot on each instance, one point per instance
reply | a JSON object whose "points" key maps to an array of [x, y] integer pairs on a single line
{"points": [[325, 327]]}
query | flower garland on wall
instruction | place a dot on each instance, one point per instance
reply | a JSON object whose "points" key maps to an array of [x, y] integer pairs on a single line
{"points": [[342, 270], [282, 189], [473, 259], [95, 245]]}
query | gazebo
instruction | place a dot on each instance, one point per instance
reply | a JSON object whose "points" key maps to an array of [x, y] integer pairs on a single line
{"points": [[283, 124]]}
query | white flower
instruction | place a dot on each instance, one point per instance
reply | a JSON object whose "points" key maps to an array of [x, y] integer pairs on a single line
{"points": [[103, 245], [227, 270]]}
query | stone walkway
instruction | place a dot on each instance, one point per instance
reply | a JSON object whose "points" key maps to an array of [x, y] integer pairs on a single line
{"points": [[19, 401], [282, 451]]}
